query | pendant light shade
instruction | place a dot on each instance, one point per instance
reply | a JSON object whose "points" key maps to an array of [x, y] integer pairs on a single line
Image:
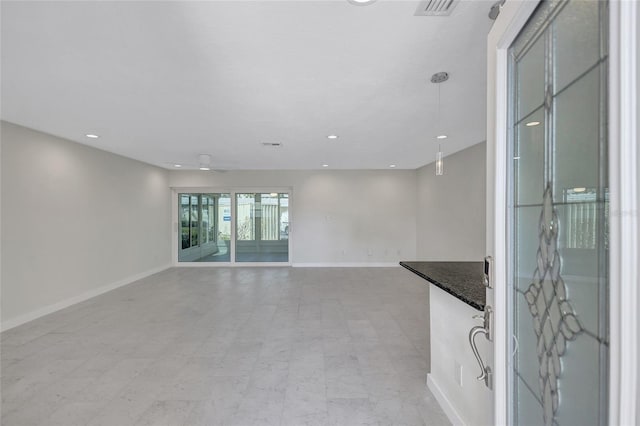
{"points": [[439, 163], [439, 78]]}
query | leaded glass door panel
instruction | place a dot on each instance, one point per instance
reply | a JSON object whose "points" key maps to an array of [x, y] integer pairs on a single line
{"points": [[558, 216]]}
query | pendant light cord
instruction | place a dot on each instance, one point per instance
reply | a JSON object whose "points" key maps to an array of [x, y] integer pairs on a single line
{"points": [[438, 117]]}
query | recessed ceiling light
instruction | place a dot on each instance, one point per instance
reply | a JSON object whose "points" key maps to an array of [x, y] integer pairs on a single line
{"points": [[393, 166], [205, 168], [579, 189], [361, 2], [332, 137], [177, 165], [325, 165], [532, 123], [92, 136], [441, 137]]}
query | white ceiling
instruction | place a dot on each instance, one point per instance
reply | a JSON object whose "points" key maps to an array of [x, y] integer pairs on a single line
{"points": [[162, 82]]}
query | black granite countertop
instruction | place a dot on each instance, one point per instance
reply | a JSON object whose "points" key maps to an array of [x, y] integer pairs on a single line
{"points": [[464, 280]]}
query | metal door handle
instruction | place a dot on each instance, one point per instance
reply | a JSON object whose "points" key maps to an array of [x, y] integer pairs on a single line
{"points": [[485, 370], [486, 321]]}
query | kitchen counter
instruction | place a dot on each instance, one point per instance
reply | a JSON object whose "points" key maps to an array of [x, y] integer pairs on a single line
{"points": [[463, 280]]}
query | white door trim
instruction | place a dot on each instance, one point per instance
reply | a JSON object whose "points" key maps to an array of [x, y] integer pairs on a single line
{"points": [[623, 180], [624, 207], [512, 18]]}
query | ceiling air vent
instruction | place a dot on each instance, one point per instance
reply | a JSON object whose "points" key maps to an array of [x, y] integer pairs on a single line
{"points": [[435, 7], [272, 144]]}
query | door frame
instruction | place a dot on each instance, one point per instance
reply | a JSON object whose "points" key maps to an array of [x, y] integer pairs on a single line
{"points": [[232, 191], [624, 221]]}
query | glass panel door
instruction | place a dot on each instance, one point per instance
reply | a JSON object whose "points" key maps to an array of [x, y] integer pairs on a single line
{"points": [[558, 216], [205, 227], [262, 227]]}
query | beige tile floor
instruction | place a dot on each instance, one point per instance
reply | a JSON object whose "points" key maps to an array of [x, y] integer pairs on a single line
{"points": [[229, 346]]}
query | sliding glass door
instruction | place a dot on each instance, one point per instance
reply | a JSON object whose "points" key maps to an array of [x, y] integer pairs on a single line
{"points": [[254, 229], [262, 227], [205, 227]]}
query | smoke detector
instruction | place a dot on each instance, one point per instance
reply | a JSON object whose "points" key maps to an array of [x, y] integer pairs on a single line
{"points": [[435, 7]]}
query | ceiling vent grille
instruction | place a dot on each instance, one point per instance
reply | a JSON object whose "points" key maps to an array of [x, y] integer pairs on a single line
{"points": [[435, 7], [272, 144]]}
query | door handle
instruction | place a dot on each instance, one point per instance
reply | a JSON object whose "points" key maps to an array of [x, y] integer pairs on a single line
{"points": [[486, 321], [485, 370]]}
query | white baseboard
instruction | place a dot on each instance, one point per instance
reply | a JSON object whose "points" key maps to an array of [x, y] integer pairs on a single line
{"points": [[292, 264], [444, 402], [49, 309], [346, 265], [229, 264]]}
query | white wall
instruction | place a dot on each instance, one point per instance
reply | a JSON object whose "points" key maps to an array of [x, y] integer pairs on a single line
{"points": [[451, 226], [451, 208], [75, 221], [466, 400], [638, 198], [334, 211], [638, 162]]}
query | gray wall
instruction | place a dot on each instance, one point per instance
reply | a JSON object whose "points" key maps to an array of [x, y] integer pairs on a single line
{"points": [[74, 220], [336, 217], [451, 208], [77, 221]]}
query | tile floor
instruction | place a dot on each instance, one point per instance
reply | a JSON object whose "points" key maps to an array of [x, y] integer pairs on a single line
{"points": [[229, 346]]}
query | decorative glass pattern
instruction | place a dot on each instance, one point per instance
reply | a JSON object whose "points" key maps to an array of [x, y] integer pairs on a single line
{"points": [[558, 216], [554, 320]]}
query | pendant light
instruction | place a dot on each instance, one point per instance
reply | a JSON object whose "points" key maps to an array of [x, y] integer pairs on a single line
{"points": [[439, 164], [439, 78]]}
